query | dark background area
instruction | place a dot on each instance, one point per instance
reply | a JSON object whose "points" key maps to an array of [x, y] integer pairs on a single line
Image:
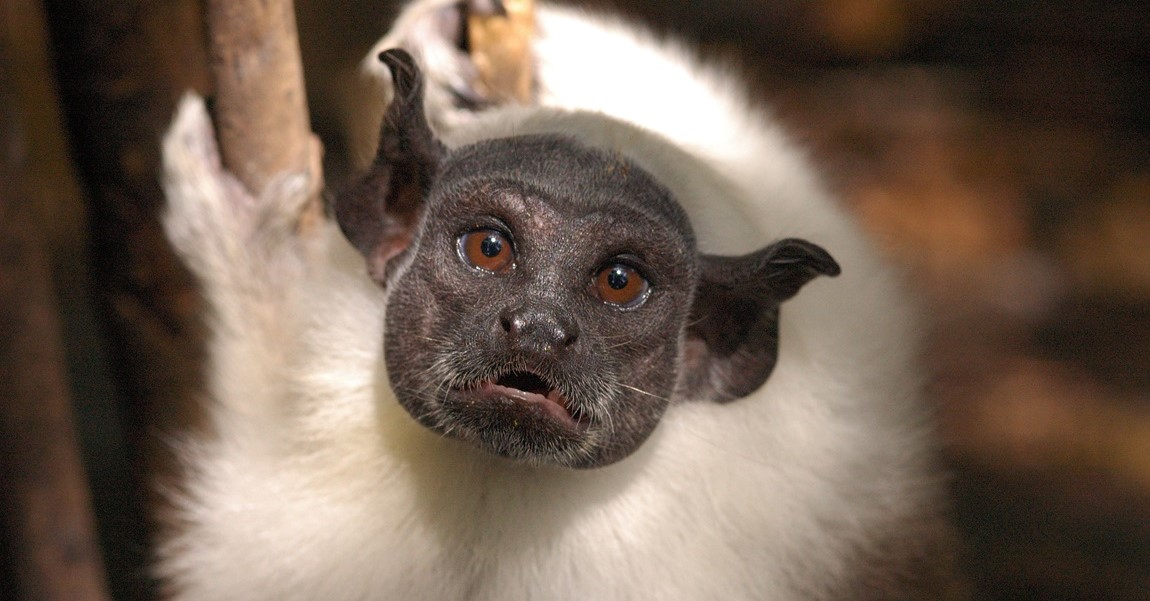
{"points": [[999, 151]]}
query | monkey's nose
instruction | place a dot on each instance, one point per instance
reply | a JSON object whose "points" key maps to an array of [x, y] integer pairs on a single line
{"points": [[538, 329]]}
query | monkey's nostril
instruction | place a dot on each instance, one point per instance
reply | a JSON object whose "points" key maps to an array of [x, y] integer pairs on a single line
{"points": [[570, 339], [505, 321]]}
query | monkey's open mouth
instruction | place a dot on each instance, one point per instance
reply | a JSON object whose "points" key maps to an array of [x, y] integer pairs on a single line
{"points": [[535, 393]]}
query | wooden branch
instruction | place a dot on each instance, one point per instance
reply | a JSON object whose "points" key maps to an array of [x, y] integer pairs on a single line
{"points": [[45, 504], [261, 109], [120, 66]]}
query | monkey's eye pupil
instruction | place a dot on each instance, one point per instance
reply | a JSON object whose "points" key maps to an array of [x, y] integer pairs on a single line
{"points": [[621, 285], [486, 249], [491, 247], [617, 278]]}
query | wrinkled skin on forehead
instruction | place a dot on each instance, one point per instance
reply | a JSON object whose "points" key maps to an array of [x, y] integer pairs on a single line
{"points": [[517, 341]]}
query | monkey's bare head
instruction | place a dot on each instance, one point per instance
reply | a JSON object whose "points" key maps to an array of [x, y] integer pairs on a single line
{"points": [[546, 300]]}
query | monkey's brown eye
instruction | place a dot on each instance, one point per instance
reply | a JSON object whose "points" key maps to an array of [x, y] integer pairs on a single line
{"points": [[621, 285], [485, 249]]}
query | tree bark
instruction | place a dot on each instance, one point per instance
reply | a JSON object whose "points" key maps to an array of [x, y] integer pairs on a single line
{"points": [[45, 506], [121, 65]]}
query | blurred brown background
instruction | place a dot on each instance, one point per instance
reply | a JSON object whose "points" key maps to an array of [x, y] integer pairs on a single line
{"points": [[998, 150]]}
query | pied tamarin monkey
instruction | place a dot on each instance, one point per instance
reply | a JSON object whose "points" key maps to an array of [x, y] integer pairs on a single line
{"points": [[615, 344]]}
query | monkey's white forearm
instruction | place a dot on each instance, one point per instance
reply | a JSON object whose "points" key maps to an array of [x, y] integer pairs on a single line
{"points": [[242, 249]]}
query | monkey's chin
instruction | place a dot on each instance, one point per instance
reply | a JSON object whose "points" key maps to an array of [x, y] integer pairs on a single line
{"points": [[547, 404]]}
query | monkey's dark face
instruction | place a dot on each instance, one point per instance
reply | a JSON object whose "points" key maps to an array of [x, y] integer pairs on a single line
{"points": [[541, 310], [545, 299]]}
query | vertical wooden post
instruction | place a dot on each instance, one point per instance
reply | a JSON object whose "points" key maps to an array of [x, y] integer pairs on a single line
{"points": [[261, 106], [120, 67], [45, 504]]}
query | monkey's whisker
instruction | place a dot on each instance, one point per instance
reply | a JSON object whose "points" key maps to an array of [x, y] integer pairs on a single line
{"points": [[641, 391]]}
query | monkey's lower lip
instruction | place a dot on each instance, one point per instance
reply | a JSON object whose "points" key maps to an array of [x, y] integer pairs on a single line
{"points": [[551, 402]]}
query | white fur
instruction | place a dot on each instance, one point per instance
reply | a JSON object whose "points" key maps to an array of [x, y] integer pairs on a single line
{"points": [[318, 485]]}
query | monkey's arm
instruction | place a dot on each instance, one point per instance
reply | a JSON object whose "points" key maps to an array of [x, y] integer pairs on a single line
{"points": [[242, 249]]}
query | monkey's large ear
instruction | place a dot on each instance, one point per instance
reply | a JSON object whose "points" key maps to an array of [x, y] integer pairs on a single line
{"points": [[379, 213], [732, 336]]}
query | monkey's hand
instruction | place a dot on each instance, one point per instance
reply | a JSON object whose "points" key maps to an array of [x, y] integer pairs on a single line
{"points": [[433, 31], [244, 249], [222, 231]]}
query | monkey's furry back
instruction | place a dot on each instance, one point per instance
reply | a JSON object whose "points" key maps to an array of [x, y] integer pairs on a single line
{"points": [[316, 484]]}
